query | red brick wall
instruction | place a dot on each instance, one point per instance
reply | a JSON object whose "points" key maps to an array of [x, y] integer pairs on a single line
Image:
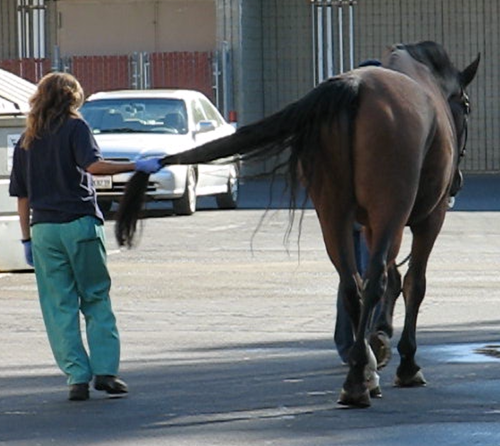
{"points": [[191, 70]]}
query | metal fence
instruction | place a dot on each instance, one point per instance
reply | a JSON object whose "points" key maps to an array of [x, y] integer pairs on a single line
{"points": [[192, 70], [465, 28], [346, 32]]}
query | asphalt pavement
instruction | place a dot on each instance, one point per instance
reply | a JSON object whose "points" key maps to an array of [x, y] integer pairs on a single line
{"points": [[226, 330]]}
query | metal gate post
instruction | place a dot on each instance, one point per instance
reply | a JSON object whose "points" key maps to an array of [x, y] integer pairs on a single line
{"points": [[146, 71], [323, 38], [223, 82], [133, 70], [351, 33], [140, 71], [341, 36], [330, 68], [320, 45], [56, 59], [216, 72]]}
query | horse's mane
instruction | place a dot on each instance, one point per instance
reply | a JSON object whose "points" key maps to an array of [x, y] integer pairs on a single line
{"points": [[434, 56]]}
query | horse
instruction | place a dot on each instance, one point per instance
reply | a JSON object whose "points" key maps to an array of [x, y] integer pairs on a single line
{"points": [[380, 146]]}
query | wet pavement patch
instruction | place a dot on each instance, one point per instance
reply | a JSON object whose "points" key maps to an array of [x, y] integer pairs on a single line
{"points": [[492, 351], [470, 353]]}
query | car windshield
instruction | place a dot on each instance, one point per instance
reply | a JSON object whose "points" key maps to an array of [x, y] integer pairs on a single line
{"points": [[136, 115]]}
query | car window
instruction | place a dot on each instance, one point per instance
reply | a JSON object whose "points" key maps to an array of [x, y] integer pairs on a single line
{"points": [[136, 115], [197, 111], [211, 112]]}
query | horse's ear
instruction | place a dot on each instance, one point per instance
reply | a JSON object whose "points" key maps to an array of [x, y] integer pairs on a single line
{"points": [[468, 74]]}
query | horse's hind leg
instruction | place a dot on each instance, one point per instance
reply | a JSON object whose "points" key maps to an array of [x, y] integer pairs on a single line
{"points": [[338, 237], [382, 329], [362, 379], [424, 235], [380, 326]]}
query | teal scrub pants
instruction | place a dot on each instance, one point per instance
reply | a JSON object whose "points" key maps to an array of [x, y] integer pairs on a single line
{"points": [[72, 276]]}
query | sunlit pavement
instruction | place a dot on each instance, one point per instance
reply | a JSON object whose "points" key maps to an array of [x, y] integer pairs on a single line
{"points": [[227, 340]]}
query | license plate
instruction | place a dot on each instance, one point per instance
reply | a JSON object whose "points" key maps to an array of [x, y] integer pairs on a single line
{"points": [[103, 182]]}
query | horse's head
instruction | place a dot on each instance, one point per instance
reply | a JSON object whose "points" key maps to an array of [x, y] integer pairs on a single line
{"points": [[452, 83], [460, 110]]}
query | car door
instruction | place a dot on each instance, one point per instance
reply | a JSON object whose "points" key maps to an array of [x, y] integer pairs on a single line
{"points": [[212, 178]]}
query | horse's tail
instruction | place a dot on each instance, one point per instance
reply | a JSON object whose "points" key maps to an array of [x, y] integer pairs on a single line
{"points": [[297, 127]]}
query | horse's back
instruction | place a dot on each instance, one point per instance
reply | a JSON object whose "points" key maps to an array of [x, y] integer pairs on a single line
{"points": [[394, 131]]}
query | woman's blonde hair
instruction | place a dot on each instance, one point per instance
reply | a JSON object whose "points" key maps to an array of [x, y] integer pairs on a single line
{"points": [[57, 98]]}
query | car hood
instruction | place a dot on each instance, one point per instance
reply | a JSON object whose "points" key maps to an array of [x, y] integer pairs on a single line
{"points": [[137, 145]]}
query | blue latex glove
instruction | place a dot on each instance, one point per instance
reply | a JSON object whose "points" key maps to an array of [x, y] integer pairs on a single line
{"points": [[148, 165], [28, 252]]}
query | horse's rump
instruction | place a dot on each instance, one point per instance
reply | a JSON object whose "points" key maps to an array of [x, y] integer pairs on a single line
{"points": [[393, 133]]}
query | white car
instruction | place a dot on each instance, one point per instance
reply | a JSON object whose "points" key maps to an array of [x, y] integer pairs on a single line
{"points": [[133, 124]]}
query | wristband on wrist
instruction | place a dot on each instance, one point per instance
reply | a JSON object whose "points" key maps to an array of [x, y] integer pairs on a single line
{"points": [[26, 240]]}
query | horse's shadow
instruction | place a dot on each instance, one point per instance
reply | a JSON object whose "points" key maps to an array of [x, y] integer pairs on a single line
{"points": [[277, 391]]}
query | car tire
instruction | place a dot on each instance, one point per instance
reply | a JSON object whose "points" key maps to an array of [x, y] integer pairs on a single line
{"points": [[186, 205], [229, 199]]}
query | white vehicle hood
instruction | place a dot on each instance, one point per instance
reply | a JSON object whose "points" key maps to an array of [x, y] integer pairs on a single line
{"points": [[136, 145]]}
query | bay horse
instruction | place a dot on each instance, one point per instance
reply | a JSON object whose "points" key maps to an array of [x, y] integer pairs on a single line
{"points": [[379, 146]]}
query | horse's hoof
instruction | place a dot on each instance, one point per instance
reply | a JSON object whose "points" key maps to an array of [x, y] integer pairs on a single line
{"points": [[360, 400], [416, 380], [376, 392], [381, 346]]}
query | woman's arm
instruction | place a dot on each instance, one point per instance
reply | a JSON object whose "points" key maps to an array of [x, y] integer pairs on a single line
{"points": [[23, 209], [103, 167]]}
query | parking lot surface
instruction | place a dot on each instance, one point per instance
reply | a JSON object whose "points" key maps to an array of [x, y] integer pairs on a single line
{"points": [[227, 339]]}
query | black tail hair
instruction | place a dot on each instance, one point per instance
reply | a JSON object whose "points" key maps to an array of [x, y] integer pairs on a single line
{"points": [[297, 127]]}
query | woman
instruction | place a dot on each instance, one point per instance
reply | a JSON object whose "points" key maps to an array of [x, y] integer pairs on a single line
{"points": [[53, 165]]}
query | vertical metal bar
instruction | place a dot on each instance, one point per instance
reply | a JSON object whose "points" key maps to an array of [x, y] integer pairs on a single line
{"points": [[133, 70], [314, 43], [147, 71], [320, 51], [215, 74], [41, 44], [56, 58], [27, 30], [140, 71], [225, 80], [22, 25], [19, 30], [228, 91], [329, 40], [36, 29], [341, 37], [351, 34]]}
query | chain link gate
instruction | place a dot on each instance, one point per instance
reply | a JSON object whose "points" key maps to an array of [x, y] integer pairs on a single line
{"points": [[331, 35], [140, 71]]}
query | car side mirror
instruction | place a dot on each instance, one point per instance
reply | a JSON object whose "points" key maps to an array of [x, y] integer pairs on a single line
{"points": [[205, 126]]}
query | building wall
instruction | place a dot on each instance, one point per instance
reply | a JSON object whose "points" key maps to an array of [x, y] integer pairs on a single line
{"points": [[271, 45], [114, 27], [8, 29], [464, 28], [271, 53], [252, 63], [286, 52]]}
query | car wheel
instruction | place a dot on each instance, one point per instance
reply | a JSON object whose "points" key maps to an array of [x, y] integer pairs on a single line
{"points": [[186, 205], [104, 205], [229, 199]]}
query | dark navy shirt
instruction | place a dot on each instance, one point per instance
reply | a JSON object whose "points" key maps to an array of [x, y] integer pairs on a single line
{"points": [[52, 174]]}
